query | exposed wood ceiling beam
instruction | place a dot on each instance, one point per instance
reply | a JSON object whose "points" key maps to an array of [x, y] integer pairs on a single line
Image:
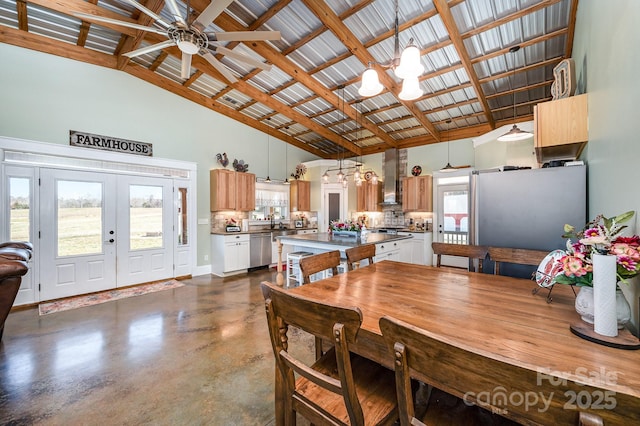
{"points": [[23, 20], [54, 47], [267, 100], [132, 43], [297, 73], [458, 44], [178, 89], [340, 30], [84, 29]]}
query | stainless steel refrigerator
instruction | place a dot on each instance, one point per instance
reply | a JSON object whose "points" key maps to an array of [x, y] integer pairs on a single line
{"points": [[526, 208]]}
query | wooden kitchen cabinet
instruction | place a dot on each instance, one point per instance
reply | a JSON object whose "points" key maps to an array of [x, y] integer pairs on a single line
{"points": [[368, 197], [561, 128], [417, 194], [300, 196], [232, 190]]}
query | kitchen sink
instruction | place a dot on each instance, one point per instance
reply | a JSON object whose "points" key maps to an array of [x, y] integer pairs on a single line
{"points": [[279, 232]]}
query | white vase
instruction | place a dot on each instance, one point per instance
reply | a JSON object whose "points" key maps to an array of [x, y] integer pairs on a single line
{"points": [[584, 307], [604, 295]]}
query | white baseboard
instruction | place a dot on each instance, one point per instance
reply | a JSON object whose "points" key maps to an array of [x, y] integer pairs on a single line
{"points": [[201, 270]]}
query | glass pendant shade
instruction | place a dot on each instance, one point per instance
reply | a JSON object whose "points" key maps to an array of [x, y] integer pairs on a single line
{"points": [[370, 83], [340, 175], [410, 89], [515, 134], [344, 182], [374, 179], [410, 66], [325, 177]]}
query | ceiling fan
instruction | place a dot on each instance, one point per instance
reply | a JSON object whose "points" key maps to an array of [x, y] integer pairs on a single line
{"points": [[191, 37]]}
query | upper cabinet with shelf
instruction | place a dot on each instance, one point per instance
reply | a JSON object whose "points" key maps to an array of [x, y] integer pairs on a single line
{"points": [[417, 194], [561, 128], [300, 196], [368, 197], [232, 190]]}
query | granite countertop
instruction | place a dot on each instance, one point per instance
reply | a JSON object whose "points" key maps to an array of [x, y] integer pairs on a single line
{"points": [[256, 231], [329, 239]]}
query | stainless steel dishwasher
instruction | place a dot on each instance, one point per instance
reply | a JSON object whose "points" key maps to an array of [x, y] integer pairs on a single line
{"points": [[259, 249]]}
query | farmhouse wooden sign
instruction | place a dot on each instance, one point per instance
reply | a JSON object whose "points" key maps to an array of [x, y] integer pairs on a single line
{"points": [[107, 143]]}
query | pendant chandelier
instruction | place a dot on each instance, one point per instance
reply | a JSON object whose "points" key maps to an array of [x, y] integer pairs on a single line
{"points": [[515, 134], [405, 66], [268, 179], [342, 177], [448, 167]]}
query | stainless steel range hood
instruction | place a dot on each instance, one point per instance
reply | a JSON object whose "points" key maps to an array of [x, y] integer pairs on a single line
{"points": [[391, 178]]}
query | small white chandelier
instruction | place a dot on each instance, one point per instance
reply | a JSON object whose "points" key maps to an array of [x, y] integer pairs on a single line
{"points": [[405, 66]]}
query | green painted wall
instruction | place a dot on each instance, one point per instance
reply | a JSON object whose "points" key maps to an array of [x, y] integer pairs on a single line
{"points": [[45, 96], [607, 64]]}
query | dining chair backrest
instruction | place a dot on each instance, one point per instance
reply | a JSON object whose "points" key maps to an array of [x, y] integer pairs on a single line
{"points": [[356, 254], [310, 265], [416, 351], [514, 255], [469, 251], [328, 390]]}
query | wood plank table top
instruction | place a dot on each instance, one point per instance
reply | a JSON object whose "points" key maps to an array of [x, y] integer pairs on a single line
{"points": [[497, 318]]}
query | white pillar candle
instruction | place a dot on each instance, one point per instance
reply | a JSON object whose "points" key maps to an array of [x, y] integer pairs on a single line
{"points": [[604, 295]]}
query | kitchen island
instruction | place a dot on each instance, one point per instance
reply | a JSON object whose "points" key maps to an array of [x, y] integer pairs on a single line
{"points": [[387, 245]]}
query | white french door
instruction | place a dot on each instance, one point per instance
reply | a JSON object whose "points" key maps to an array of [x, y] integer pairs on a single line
{"points": [[101, 231], [77, 232], [144, 229]]}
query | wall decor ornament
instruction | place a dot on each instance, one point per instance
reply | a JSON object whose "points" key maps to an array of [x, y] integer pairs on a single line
{"points": [[223, 160], [564, 75], [240, 166]]}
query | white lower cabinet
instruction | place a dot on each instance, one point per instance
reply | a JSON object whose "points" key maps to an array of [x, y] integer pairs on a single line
{"points": [[388, 251], [229, 254], [414, 248]]}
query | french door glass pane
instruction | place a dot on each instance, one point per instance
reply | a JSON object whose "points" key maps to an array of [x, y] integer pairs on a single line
{"points": [[145, 217], [456, 217], [79, 206], [183, 235], [20, 202]]}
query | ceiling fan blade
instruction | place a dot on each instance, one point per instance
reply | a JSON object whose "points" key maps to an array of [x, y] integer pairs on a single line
{"points": [[149, 12], [248, 35], [185, 71], [148, 49], [219, 66], [90, 17], [175, 11], [211, 12], [244, 58]]}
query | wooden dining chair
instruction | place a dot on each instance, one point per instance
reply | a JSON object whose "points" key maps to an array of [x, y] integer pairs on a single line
{"points": [[310, 265], [340, 388], [514, 255], [469, 251], [414, 350], [356, 254]]}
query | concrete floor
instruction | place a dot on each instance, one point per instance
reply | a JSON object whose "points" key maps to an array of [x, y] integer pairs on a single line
{"points": [[198, 354]]}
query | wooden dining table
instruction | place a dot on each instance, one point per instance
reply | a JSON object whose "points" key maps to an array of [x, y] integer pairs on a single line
{"points": [[548, 374]]}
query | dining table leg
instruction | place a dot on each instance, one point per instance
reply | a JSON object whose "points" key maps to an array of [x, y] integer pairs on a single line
{"points": [[280, 276]]}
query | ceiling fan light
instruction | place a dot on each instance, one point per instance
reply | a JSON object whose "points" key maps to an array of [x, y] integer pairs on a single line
{"points": [[515, 134], [410, 89], [370, 83], [187, 47], [410, 66]]}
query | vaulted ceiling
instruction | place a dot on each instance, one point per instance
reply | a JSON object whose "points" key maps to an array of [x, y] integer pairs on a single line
{"points": [[309, 98]]}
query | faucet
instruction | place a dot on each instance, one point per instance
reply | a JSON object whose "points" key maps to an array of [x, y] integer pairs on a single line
{"points": [[280, 225], [272, 224]]}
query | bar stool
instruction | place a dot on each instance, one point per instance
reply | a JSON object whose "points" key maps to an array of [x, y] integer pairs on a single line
{"points": [[293, 267]]}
